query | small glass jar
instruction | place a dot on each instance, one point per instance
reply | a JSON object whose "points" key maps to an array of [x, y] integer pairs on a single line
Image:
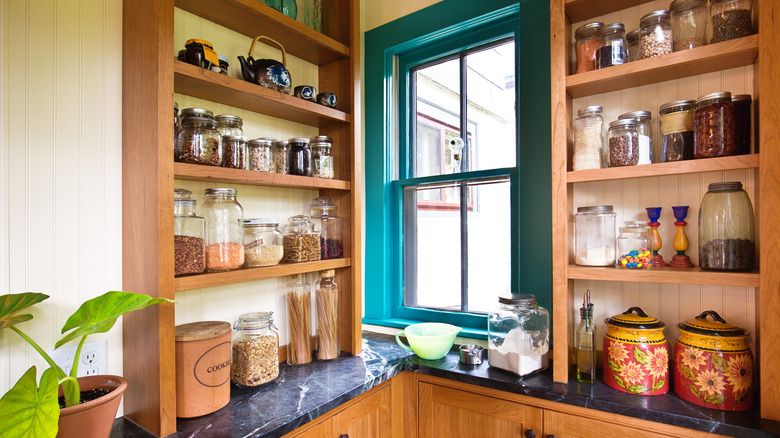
{"points": [[622, 143], [255, 348], [321, 157], [588, 138], [234, 152], [689, 23], [634, 48], [726, 240], [298, 299], [181, 194], [676, 125], [176, 122], [189, 229], [730, 19], [260, 154], [656, 34], [323, 210], [262, 243], [586, 41], [199, 141], [634, 246], [594, 236], [281, 157], [614, 48], [644, 128], [298, 157], [224, 230], [518, 335], [327, 302], [228, 124], [301, 242], [714, 126], [742, 106]]}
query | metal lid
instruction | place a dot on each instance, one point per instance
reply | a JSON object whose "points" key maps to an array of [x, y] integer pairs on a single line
{"points": [[262, 221], [622, 123], [255, 320], [730, 185], [196, 112], [677, 105], [321, 139], [238, 138], [261, 141], [717, 327], [633, 36], [228, 118], [198, 41], [181, 194], [298, 140], [595, 209], [184, 202], [588, 30], [639, 116], [519, 300], [590, 110], [281, 143], [223, 58], [636, 318], [196, 331], [220, 191], [327, 273], [741, 97], [713, 96], [654, 16], [612, 28], [685, 5]]}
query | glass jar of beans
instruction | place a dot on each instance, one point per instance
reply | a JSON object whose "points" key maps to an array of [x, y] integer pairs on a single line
{"points": [[622, 143], [260, 154], [198, 142], [726, 228], [234, 151], [714, 126], [730, 19], [188, 232], [224, 230], [656, 34]]}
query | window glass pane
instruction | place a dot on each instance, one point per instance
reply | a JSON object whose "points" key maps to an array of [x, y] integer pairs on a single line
{"points": [[490, 84], [437, 92]]}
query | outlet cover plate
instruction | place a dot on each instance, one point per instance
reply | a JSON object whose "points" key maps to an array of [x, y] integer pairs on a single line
{"points": [[93, 361]]}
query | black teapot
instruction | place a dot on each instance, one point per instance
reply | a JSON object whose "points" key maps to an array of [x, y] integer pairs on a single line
{"points": [[269, 73]]}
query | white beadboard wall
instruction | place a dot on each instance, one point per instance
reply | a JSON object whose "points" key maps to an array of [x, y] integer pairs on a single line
{"points": [[668, 302], [60, 166], [376, 13]]}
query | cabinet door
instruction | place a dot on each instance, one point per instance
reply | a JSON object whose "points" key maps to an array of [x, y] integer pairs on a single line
{"points": [[323, 429], [446, 413], [368, 418], [563, 425]]}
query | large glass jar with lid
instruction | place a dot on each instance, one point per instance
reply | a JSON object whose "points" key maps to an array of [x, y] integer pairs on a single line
{"points": [[327, 302], [587, 43], [689, 23], [594, 236], [234, 152], [622, 143], [518, 335], [298, 156], [262, 242], [726, 241], [301, 243], [324, 211], [228, 124], [199, 141], [676, 124], [255, 349], [655, 29], [321, 157], [189, 230], [644, 129], [613, 48], [224, 230], [634, 246], [260, 154], [588, 138], [730, 19], [281, 157], [714, 126], [298, 299]]}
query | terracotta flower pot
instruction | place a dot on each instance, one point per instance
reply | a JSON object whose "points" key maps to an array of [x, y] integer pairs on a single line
{"points": [[93, 419]]}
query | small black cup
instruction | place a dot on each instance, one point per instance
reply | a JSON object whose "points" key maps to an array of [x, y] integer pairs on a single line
{"points": [[327, 99], [306, 92]]}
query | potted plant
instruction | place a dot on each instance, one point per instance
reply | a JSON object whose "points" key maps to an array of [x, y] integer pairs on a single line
{"points": [[30, 409]]}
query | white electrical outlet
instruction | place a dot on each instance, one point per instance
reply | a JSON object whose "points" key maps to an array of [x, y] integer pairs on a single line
{"points": [[93, 360]]}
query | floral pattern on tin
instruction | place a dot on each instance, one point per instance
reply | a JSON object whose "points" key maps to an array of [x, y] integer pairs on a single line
{"points": [[631, 373], [717, 380]]}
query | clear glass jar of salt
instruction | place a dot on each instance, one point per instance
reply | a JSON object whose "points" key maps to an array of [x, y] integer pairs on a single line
{"points": [[518, 335]]}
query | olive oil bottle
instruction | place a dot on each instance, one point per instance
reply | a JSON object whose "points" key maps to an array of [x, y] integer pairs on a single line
{"points": [[584, 338]]}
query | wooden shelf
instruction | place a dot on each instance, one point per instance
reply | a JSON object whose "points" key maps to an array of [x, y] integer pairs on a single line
{"points": [[663, 169], [253, 18], [579, 10], [243, 275], [206, 84], [198, 172], [706, 59], [693, 275]]}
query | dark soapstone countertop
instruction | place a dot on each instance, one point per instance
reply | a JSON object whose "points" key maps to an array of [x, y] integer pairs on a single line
{"points": [[303, 393]]}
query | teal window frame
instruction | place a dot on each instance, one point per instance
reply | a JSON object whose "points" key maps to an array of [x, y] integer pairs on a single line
{"points": [[444, 28]]}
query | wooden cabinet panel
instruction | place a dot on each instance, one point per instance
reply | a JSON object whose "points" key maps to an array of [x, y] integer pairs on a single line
{"points": [[322, 429], [564, 425], [368, 418], [446, 412]]}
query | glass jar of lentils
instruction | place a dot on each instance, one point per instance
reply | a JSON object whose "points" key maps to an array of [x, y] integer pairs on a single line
{"points": [[224, 230], [255, 349], [260, 154], [656, 34], [622, 143], [588, 138], [586, 39], [714, 126]]}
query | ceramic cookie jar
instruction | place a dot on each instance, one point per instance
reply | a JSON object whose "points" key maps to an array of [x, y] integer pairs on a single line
{"points": [[636, 354], [713, 364]]}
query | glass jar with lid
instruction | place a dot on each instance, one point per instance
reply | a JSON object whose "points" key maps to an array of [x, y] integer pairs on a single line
{"points": [[224, 230], [588, 138], [262, 243], [299, 156], [331, 227], [518, 335], [594, 236], [730, 19], [726, 239], [281, 158], [255, 349], [613, 48], [634, 47], [622, 143], [301, 243], [321, 157], [676, 127], [656, 34], [644, 128], [327, 302], [586, 43], [634, 246], [234, 152], [298, 299], [228, 124], [179, 193], [176, 122], [689, 23], [189, 230], [260, 154], [714, 126], [742, 106], [199, 141]]}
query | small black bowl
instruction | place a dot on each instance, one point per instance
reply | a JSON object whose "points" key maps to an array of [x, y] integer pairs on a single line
{"points": [[306, 92], [327, 99]]}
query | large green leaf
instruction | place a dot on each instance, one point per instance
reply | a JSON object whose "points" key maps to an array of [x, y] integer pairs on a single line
{"points": [[614, 366], [640, 355], [27, 411], [719, 362], [619, 381], [11, 304], [637, 389], [99, 314]]}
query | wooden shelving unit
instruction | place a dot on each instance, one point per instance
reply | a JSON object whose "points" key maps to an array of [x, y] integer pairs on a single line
{"points": [[761, 50], [151, 75]]}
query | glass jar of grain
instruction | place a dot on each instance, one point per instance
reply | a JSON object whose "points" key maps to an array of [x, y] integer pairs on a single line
{"points": [[262, 243], [255, 349], [622, 143], [588, 138]]}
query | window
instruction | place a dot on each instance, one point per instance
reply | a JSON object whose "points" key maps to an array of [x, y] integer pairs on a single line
{"points": [[445, 214]]}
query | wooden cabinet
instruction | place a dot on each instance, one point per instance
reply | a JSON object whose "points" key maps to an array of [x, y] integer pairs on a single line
{"points": [[151, 75]]}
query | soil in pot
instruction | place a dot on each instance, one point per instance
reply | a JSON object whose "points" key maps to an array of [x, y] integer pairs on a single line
{"points": [[86, 396]]}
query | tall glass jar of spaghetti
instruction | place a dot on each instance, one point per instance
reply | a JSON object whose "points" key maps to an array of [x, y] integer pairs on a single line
{"points": [[224, 230], [299, 320]]}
